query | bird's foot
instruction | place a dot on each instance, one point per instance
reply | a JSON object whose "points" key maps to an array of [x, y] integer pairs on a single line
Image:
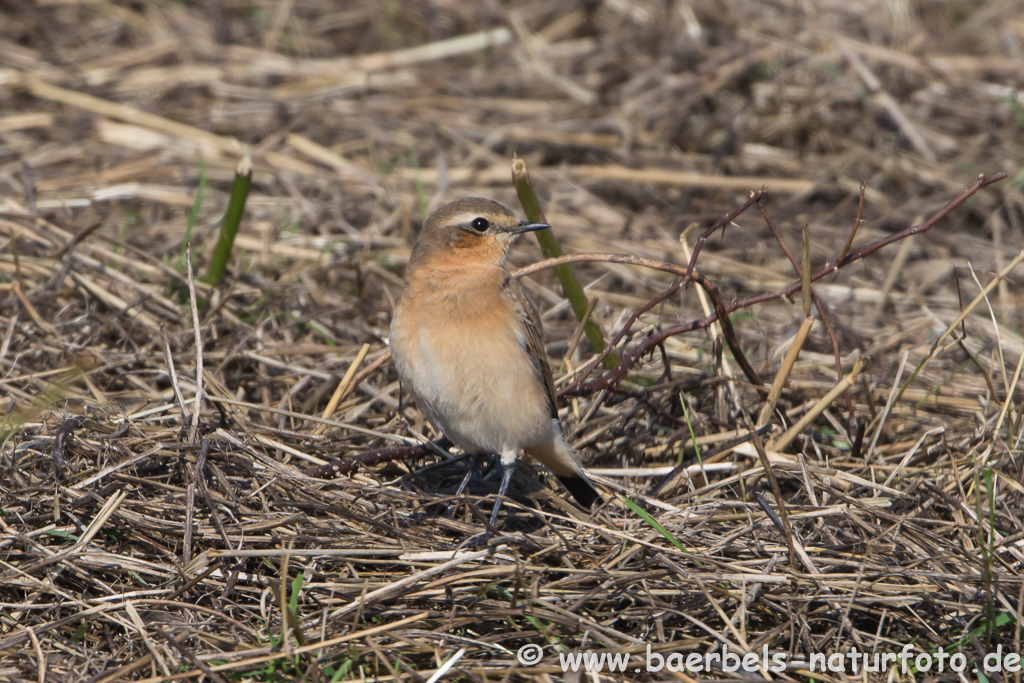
{"points": [[492, 539], [476, 541]]}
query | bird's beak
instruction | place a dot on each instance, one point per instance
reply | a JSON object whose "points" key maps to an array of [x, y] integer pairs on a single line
{"points": [[526, 226]]}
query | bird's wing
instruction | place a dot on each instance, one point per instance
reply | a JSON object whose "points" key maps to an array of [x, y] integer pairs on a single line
{"points": [[561, 453], [533, 333]]}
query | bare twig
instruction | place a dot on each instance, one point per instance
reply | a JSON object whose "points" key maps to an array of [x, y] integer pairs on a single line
{"points": [[754, 198], [856, 224], [803, 271], [630, 357]]}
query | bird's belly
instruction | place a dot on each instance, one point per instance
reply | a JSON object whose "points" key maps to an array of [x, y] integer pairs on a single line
{"points": [[481, 391]]}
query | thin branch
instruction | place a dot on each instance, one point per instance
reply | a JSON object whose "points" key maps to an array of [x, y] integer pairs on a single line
{"points": [[342, 466], [630, 357], [856, 224], [721, 222], [803, 270]]}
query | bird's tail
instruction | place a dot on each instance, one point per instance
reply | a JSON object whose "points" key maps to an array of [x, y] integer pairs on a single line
{"points": [[581, 489], [561, 459]]}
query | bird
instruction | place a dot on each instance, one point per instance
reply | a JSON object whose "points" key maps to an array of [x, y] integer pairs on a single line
{"points": [[467, 342]]}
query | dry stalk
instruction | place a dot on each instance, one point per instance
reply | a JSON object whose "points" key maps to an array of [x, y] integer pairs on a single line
{"points": [[818, 408], [342, 389], [194, 428]]}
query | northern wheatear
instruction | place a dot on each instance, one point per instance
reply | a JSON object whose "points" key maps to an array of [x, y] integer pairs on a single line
{"points": [[467, 343]]}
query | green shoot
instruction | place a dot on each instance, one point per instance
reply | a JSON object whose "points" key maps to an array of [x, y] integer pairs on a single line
{"points": [[232, 219], [693, 440], [571, 287]]}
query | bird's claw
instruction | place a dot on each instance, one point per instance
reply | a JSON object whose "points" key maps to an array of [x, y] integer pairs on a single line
{"points": [[476, 541]]}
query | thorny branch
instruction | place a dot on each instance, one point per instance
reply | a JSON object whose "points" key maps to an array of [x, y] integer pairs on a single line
{"points": [[579, 386], [343, 466], [631, 356]]}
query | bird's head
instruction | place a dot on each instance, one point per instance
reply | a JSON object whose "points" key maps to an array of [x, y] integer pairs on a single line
{"points": [[470, 231]]}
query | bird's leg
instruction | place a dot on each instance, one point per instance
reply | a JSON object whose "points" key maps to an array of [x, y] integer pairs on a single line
{"points": [[508, 465], [469, 473]]}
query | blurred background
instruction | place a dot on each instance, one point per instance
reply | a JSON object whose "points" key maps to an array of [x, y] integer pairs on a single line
{"points": [[635, 118]]}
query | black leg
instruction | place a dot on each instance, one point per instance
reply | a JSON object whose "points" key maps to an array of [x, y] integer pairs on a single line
{"points": [[474, 461], [508, 465]]}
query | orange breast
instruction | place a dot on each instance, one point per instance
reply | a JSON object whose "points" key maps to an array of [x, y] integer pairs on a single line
{"points": [[460, 350]]}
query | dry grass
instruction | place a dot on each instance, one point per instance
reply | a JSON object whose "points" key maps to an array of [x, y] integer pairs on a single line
{"points": [[130, 552]]}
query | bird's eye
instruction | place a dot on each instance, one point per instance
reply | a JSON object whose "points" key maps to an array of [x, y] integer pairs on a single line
{"points": [[480, 224]]}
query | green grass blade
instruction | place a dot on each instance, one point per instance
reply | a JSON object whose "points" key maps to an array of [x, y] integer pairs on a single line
{"points": [[232, 219], [693, 440], [644, 515]]}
